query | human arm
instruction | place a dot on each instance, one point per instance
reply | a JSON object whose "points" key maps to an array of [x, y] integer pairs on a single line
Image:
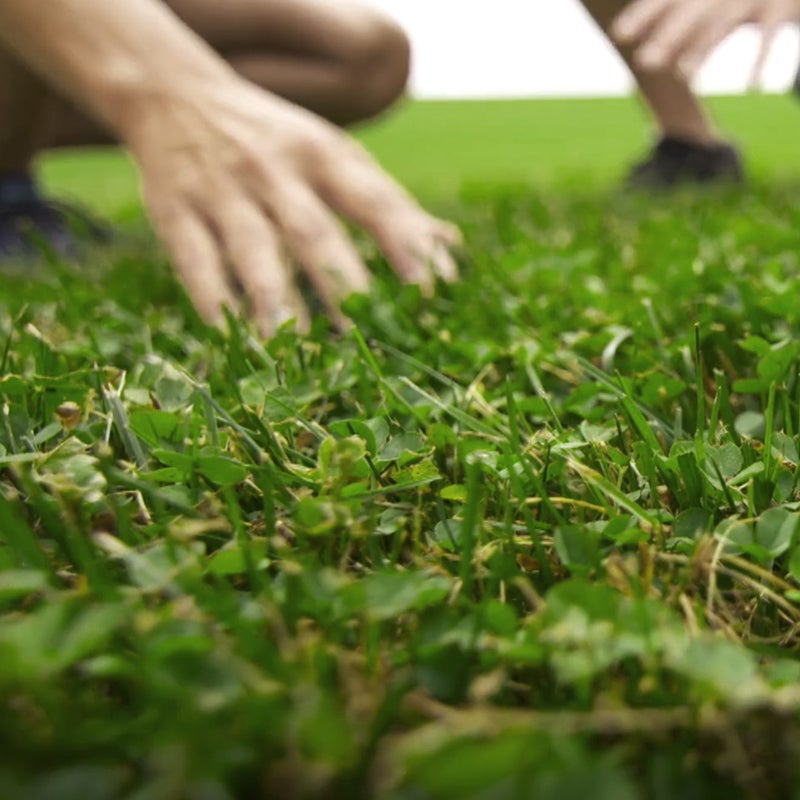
{"points": [[232, 175]]}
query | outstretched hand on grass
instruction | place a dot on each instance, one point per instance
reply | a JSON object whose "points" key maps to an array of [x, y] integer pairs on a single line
{"points": [[239, 183], [683, 33]]}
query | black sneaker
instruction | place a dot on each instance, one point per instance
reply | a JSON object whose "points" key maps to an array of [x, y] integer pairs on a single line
{"points": [[796, 84], [30, 223], [678, 162]]}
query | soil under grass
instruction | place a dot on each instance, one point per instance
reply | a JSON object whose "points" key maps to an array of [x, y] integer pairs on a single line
{"points": [[536, 538]]}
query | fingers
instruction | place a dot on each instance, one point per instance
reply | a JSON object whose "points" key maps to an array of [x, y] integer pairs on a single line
{"points": [[674, 36], [415, 244], [255, 256], [420, 251], [441, 259], [683, 33], [263, 208], [247, 243], [704, 41], [319, 244], [197, 260]]}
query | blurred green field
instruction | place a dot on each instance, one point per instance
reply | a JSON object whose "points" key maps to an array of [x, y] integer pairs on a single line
{"points": [[439, 148]]}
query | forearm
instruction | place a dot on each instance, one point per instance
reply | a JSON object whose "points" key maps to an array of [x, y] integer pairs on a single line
{"points": [[112, 58]]}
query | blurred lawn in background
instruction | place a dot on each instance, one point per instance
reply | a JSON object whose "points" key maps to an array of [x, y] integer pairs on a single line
{"points": [[438, 148]]}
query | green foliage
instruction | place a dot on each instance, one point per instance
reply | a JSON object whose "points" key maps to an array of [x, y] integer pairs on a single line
{"points": [[536, 537]]}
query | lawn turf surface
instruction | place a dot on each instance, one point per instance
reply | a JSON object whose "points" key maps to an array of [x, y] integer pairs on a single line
{"points": [[439, 149], [535, 538]]}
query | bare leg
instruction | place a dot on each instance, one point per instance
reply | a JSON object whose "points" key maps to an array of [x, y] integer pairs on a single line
{"points": [[677, 110], [339, 59]]}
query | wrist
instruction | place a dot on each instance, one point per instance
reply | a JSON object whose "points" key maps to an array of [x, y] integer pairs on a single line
{"points": [[130, 103]]}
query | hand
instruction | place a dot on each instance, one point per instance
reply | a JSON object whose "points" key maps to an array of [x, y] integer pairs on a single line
{"points": [[239, 184], [683, 33]]}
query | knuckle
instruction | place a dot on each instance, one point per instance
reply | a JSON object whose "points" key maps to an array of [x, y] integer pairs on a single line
{"points": [[255, 169], [324, 147], [249, 159], [240, 229], [309, 233], [163, 209], [265, 281]]}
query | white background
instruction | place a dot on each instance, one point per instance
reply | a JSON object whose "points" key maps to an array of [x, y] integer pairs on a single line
{"points": [[525, 48]]}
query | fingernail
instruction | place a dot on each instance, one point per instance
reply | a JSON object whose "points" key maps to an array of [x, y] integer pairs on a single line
{"points": [[283, 315], [341, 322], [421, 277], [426, 288]]}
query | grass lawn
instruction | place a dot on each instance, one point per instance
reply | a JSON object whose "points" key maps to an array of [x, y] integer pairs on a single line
{"points": [[536, 538], [441, 149]]}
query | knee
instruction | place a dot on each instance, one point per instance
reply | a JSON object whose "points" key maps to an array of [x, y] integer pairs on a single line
{"points": [[379, 68]]}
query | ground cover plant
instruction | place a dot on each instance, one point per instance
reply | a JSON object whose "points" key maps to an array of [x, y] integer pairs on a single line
{"points": [[537, 537]]}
